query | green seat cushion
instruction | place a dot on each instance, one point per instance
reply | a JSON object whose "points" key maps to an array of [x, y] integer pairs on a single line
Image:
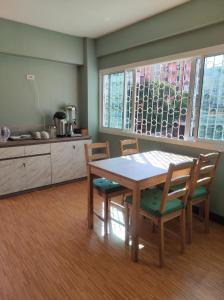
{"points": [[107, 186], [199, 191], [151, 200]]}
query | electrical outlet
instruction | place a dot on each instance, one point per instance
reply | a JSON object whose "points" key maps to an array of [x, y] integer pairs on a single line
{"points": [[30, 77]]}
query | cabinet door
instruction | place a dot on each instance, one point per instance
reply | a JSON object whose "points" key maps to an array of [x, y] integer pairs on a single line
{"points": [[61, 160], [78, 159], [12, 176], [38, 171]]}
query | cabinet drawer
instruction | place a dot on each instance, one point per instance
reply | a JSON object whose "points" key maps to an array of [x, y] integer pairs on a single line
{"points": [[37, 149], [10, 152]]}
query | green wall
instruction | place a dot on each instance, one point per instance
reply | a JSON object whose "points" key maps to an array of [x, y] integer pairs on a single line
{"points": [[200, 38], [57, 61], [55, 83], [25, 40], [194, 25], [190, 16]]}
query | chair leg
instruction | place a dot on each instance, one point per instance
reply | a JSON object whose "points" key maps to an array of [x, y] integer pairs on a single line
{"points": [[106, 214], [182, 230], [161, 243], [189, 221], [126, 222], [206, 219]]}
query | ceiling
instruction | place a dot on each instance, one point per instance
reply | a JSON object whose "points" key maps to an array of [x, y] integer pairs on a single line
{"points": [[89, 18]]}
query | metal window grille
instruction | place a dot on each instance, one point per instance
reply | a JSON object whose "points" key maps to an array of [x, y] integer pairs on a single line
{"points": [[129, 99], [161, 99]]}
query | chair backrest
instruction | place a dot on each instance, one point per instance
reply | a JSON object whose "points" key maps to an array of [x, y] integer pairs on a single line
{"points": [[204, 171], [129, 146], [180, 176], [97, 151]]}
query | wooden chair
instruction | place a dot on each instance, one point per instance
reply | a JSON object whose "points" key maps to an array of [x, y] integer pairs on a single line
{"points": [[129, 146], [105, 188], [163, 206], [204, 173]]}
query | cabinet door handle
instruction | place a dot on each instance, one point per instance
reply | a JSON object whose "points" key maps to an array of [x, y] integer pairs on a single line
{"points": [[24, 164], [74, 147]]}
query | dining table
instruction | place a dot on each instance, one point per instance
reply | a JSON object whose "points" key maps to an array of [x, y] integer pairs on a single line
{"points": [[135, 172]]}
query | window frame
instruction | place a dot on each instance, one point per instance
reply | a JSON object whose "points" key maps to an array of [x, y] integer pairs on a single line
{"points": [[188, 141]]}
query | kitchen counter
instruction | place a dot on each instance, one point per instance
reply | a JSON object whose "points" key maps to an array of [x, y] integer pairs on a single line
{"points": [[37, 142]]}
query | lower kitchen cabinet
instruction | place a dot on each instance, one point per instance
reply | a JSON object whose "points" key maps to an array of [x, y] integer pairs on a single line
{"points": [[68, 160], [78, 159], [38, 171], [12, 176], [61, 162]]}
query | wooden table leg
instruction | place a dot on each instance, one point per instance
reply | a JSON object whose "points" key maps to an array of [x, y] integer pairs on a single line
{"points": [[135, 223], [90, 200]]}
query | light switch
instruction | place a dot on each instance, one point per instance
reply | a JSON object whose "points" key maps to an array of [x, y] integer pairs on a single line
{"points": [[30, 77]]}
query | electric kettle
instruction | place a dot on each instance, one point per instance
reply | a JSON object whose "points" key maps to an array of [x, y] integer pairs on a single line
{"points": [[60, 123]]}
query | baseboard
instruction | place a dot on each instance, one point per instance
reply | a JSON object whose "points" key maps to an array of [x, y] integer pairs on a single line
{"points": [[213, 217]]}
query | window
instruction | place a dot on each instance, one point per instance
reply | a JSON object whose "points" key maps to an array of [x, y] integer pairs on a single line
{"points": [[211, 124], [179, 99]]}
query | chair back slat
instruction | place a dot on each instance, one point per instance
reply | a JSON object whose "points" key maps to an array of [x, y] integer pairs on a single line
{"points": [[129, 146], [210, 156], [129, 152], [176, 194], [98, 156], [97, 151], [179, 175], [182, 166], [179, 180], [97, 145], [204, 171], [203, 181]]}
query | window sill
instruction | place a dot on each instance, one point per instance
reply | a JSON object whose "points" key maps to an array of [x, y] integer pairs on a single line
{"points": [[206, 145]]}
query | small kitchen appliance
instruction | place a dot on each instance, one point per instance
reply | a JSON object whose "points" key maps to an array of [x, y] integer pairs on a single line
{"points": [[60, 123], [71, 115]]}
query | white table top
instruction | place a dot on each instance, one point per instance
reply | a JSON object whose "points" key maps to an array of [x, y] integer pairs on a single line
{"points": [[140, 166]]}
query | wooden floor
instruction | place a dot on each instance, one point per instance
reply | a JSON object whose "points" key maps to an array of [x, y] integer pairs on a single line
{"points": [[47, 252]]}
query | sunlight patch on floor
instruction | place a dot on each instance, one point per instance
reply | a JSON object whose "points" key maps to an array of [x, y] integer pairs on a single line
{"points": [[116, 225]]}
